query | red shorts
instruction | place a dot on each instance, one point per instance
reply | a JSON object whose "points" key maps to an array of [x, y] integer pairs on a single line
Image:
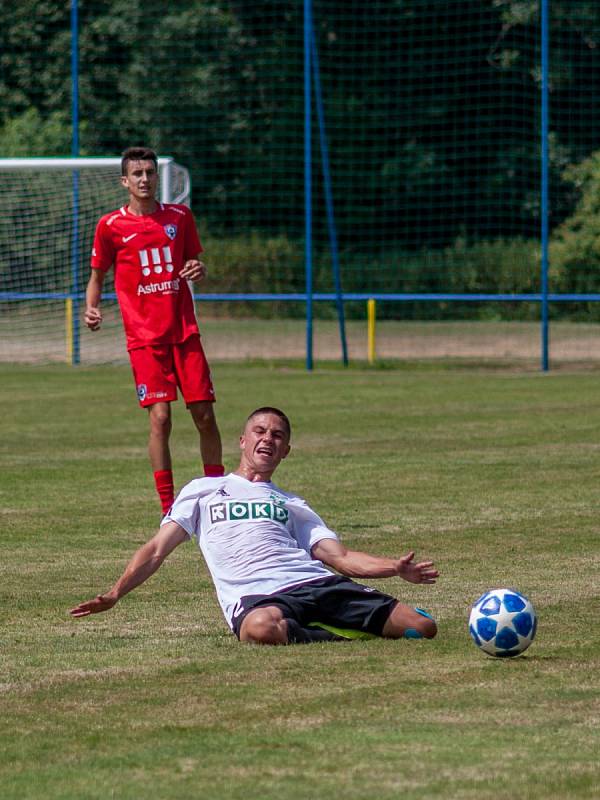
{"points": [[159, 369]]}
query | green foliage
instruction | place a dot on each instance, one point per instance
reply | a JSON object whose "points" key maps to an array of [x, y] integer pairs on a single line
{"points": [[432, 115], [255, 263], [29, 134], [416, 123], [575, 248], [259, 263], [35, 67]]}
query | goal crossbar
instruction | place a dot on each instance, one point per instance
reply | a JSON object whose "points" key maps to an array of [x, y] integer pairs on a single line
{"points": [[166, 168]]}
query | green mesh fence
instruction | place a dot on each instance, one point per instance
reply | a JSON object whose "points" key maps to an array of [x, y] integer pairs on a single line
{"points": [[432, 123]]}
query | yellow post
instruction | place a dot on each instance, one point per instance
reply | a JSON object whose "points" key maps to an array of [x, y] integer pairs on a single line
{"points": [[69, 328], [371, 330]]}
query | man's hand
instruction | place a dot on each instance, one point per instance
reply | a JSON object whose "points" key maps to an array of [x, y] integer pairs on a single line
{"points": [[422, 572], [100, 603], [144, 563], [193, 270], [93, 318], [355, 564]]}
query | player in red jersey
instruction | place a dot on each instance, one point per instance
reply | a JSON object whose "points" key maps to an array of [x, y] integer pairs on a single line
{"points": [[154, 249]]}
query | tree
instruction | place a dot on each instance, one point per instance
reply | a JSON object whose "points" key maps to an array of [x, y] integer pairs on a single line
{"points": [[575, 246]]}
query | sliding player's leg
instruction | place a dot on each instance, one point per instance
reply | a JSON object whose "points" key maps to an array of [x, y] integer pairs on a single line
{"points": [[269, 625], [409, 623]]}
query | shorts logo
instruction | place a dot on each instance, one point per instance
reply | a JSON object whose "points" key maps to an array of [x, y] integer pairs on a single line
{"points": [[234, 510], [171, 231], [142, 391]]}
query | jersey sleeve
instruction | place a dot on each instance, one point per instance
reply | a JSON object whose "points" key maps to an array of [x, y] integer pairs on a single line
{"points": [[192, 244], [185, 511], [103, 251], [308, 527]]}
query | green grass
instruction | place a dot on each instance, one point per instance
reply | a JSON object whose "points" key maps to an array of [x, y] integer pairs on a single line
{"points": [[494, 474]]}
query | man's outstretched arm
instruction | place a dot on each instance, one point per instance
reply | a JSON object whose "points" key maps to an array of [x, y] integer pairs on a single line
{"points": [[143, 564], [355, 564]]}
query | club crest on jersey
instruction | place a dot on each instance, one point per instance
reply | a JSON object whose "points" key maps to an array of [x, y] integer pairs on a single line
{"points": [[171, 231]]}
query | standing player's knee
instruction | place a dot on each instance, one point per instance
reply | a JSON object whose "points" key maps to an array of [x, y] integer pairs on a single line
{"points": [[203, 416], [160, 421]]}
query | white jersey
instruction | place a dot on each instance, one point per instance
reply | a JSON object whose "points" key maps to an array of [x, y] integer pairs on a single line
{"points": [[255, 538]]}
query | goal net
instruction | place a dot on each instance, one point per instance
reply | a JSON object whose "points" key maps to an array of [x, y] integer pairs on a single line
{"points": [[50, 207]]}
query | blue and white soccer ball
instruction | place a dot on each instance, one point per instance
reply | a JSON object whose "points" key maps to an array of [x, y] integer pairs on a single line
{"points": [[502, 623]]}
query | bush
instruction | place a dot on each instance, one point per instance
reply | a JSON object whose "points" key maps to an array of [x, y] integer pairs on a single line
{"points": [[254, 263], [575, 245], [257, 263]]}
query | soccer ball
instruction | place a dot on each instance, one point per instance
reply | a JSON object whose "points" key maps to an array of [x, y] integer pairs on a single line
{"points": [[502, 623]]}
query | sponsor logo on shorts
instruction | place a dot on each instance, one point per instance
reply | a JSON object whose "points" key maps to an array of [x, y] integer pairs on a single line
{"points": [[144, 394], [234, 510]]}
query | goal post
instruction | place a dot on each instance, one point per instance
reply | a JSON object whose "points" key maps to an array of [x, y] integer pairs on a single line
{"points": [[174, 180], [50, 207]]}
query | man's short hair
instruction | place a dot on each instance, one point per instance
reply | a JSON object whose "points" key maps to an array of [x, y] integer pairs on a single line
{"points": [[277, 412], [137, 154]]}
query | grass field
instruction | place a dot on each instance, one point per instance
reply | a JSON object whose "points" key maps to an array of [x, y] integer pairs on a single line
{"points": [[495, 475]]}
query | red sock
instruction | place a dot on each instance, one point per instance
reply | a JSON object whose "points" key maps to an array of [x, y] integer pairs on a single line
{"points": [[214, 470], [163, 479]]}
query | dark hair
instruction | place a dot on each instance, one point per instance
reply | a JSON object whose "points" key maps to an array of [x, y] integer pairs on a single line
{"points": [[137, 154], [277, 413]]}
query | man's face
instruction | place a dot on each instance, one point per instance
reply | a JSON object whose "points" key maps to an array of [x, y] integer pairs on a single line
{"points": [[141, 180], [265, 442]]}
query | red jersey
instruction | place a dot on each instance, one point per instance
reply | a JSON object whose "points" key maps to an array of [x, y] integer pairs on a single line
{"points": [[148, 253]]}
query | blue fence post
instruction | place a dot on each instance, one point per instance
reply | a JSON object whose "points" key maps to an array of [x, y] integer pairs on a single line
{"points": [[333, 243], [75, 247], [545, 210], [308, 183]]}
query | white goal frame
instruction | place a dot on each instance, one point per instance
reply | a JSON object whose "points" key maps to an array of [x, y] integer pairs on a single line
{"points": [[168, 169], [174, 187]]}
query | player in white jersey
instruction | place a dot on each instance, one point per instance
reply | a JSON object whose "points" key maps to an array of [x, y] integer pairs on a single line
{"points": [[269, 555]]}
